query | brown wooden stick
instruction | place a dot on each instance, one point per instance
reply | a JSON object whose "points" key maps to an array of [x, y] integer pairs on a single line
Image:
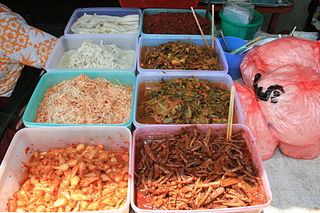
{"points": [[212, 27], [195, 17], [230, 117]]}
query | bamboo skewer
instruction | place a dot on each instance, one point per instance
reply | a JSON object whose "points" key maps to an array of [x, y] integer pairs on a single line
{"points": [[225, 42], [195, 17], [248, 47], [292, 32], [230, 116], [212, 27], [250, 42]]}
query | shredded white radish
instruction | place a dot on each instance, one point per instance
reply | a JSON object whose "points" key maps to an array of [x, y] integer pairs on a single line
{"points": [[91, 55], [83, 100], [106, 24]]}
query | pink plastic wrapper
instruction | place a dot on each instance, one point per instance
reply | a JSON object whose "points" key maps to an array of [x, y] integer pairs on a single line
{"points": [[294, 115], [284, 75], [255, 120], [278, 53]]}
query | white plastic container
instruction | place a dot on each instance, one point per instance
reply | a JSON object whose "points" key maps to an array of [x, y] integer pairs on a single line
{"points": [[27, 140], [110, 11], [217, 78], [217, 129], [73, 42]]}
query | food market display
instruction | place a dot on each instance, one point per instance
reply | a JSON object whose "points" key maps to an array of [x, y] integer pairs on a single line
{"points": [[92, 55], [193, 169], [179, 55], [83, 100], [183, 101], [77, 178], [174, 23], [106, 24]]}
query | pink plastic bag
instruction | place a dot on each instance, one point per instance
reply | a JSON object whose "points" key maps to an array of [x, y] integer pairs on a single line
{"points": [[254, 119], [289, 99], [271, 56]]}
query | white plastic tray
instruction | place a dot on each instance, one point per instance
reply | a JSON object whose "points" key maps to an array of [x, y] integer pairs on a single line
{"points": [[74, 41]]}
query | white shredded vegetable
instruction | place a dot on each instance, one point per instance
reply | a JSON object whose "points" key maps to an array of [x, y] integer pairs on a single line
{"points": [[91, 24], [91, 55], [83, 100]]}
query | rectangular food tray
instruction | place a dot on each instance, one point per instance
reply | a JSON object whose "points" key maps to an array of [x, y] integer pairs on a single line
{"points": [[225, 79], [200, 12], [49, 80], [110, 11], [155, 41], [216, 130], [74, 41]]}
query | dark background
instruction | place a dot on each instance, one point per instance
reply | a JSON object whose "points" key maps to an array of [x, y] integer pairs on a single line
{"points": [[53, 16]]}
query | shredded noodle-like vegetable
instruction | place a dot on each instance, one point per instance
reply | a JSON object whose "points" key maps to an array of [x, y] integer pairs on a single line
{"points": [[83, 100], [91, 55], [106, 24]]}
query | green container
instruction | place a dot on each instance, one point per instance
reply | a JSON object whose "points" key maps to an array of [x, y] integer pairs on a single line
{"points": [[244, 31]]}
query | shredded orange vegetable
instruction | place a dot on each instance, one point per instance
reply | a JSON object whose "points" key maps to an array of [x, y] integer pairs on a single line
{"points": [[83, 100]]}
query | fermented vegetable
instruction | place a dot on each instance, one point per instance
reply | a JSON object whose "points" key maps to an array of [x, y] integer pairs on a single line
{"points": [[179, 55], [183, 101]]}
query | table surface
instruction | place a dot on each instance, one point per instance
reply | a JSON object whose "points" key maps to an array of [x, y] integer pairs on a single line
{"points": [[293, 182]]}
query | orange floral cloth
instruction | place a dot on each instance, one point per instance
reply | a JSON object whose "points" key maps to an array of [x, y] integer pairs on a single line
{"points": [[20, 44]]}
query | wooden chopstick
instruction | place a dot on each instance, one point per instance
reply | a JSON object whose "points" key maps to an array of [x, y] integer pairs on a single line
{"points": [[195, 17], [246, 44], [212, 27], [230, 116]]}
